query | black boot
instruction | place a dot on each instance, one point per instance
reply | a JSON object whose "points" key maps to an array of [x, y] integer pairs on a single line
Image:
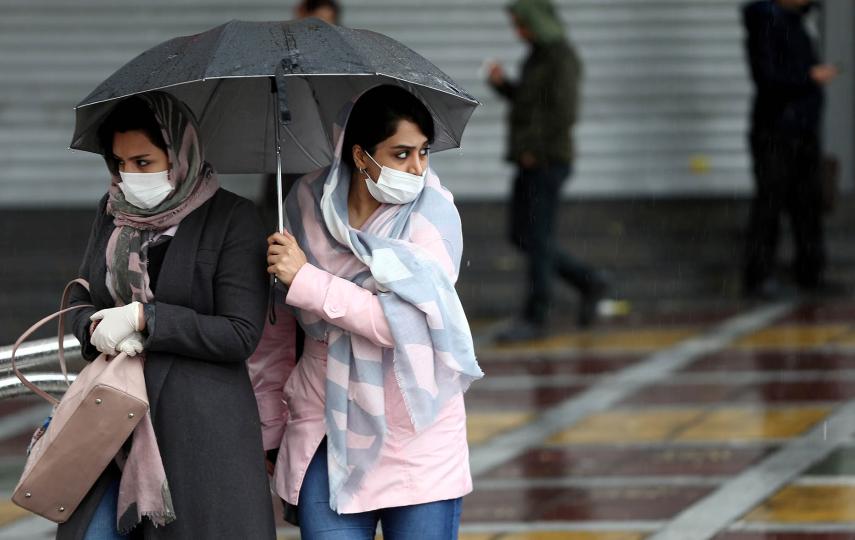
{"points": [[521, 330]]}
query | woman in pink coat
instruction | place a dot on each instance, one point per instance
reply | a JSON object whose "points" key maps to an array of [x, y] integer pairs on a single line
{"points": [[370, 423]]}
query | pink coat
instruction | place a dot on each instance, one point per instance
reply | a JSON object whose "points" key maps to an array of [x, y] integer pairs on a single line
{"points": [[413, 468]]}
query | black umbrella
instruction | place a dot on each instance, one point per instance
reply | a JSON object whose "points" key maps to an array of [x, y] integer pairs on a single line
{"points": [[240, 77]]}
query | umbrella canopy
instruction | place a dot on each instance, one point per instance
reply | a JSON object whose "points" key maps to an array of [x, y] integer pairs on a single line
{"points": [[240, 77]]}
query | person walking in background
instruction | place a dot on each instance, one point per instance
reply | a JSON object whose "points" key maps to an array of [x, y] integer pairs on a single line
{"points": [[785, 144], [543, 110]]}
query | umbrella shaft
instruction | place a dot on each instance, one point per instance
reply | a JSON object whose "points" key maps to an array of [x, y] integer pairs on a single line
{"points": [[280, 223], [281, 218]]}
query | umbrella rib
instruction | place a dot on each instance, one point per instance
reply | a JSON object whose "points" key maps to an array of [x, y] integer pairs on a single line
{"points": [[300, 146], [211, 99]]}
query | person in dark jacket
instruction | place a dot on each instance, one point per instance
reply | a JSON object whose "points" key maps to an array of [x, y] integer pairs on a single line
{"points": [[176, 272], [785, 143], [543, 109]]}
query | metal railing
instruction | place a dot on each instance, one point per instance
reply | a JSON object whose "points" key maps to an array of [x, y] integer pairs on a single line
{"points": [[33, 356]]}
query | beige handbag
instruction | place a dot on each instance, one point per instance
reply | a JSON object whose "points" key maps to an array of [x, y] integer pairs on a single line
{"points": [[97, 414]]}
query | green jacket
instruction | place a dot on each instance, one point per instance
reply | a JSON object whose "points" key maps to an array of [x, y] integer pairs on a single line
{"points": [[544, 101]]}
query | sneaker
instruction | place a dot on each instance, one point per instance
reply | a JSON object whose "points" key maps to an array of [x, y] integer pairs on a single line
{"points": [[589, 302], [521, 330]]}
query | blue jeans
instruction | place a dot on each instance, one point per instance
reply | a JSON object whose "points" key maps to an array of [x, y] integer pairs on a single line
{"points": [[438, 520], [103, 524], [535, 205]]}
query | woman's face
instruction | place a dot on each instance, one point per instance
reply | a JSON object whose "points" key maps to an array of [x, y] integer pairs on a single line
{"points": [[522, 30], [406, 150], [135, 153]]}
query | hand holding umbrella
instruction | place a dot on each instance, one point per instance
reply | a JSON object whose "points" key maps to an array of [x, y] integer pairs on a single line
{"points": [[284, 256]]}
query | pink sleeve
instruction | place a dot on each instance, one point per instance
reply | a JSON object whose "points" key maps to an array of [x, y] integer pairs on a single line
{"points": [[269, 368], [340, 302], [354, 308]]}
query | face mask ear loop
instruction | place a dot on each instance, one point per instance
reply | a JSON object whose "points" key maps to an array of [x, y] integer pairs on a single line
{"points": [[374, 160], [365, 170]]}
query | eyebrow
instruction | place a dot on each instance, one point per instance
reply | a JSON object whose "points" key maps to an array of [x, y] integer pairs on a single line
{"points": [[406, 147], [132, 157]]}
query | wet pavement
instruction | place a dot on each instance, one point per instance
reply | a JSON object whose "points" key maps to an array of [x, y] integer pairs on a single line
{"points": [[734, 424]]}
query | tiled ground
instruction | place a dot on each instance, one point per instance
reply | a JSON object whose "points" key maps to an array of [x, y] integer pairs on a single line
{"points": [[626, 469], [613, 434]]}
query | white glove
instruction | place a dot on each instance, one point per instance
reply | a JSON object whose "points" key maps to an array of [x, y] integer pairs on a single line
{"points": [[131, 345], [116, 324]]}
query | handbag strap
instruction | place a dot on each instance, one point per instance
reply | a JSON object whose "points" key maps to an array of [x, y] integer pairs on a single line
{"points": [[63, 309], [61, 325]]}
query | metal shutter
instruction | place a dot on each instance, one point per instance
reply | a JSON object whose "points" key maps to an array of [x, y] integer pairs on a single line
{"points": [[664, 100]]}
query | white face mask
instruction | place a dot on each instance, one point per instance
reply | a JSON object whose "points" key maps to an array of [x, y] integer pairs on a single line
{"points": [[394, 186], [145, 190]]}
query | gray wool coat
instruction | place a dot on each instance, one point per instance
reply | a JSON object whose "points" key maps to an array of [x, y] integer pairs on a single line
{"points": [[210, 305]]}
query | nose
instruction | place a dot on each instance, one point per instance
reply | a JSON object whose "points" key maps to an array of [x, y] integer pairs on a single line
{"points": [[416, 164]]}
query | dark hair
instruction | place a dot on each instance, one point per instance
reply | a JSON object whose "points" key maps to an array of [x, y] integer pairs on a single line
{"points": [[309, 6], [376, 115], [131, 114]]}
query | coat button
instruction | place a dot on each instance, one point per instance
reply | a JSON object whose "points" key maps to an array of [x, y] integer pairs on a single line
{"points": [[61, 509], [130, 415], [28, 494], [98, 401]]}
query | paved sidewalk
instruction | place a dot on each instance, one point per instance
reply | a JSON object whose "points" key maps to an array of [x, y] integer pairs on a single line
{"points": [[734, 424]]}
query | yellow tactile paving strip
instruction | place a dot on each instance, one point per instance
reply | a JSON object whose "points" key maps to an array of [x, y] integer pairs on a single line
{"points": [[808, 504], [558, 535], [538, 535], [692, 424], [628, 426], [641, 340], [9, 512], [747, 424], [796, 336], [553, 535], [481, 426], [847, 340]]}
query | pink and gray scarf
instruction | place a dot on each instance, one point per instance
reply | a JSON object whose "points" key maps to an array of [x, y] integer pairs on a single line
{"points": [[433, 358], [144, 490]]}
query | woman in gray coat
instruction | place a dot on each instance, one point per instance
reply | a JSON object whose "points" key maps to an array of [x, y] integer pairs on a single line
{"points": [[176, 272]]}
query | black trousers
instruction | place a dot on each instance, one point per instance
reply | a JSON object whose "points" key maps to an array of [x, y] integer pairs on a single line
{"points": [[787, 180], [534, 206]]}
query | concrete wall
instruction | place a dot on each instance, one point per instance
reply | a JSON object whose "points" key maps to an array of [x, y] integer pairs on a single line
{"points": [[839, 48]]}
